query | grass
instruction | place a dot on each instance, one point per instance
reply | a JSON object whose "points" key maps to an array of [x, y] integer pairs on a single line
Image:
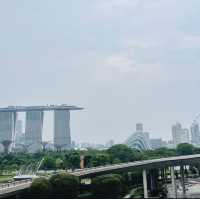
{"points": [[5, 178]]}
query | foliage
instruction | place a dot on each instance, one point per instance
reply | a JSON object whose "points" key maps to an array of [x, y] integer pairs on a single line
{"points": [[40, 189], [64, 186], [185, 149], [73, 159], [122, 153], [107, 186]]}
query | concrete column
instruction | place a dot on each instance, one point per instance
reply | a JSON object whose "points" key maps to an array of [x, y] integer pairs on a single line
{"points": [[182, 179], [173, 183], [144, 173], [154, 175]]}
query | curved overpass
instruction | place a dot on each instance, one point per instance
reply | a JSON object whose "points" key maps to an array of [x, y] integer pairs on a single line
{"points": [[146, 164]]}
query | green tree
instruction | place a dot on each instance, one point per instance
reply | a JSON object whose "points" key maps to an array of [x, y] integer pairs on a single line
{"points": [[107, 186], [185, 149], [122, 153], [100, 159], [49, 162], [59, 164], [64, 186], [73, 160], [40, 189]]}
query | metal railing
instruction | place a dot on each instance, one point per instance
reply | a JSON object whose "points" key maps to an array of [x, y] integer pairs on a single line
{"points": [[14, 186]]}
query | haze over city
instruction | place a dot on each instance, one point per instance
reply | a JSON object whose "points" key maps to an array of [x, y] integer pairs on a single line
{"points": [[124, 61]]}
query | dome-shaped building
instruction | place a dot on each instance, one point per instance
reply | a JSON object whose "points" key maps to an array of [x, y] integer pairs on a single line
{"points": [[139, 140]]}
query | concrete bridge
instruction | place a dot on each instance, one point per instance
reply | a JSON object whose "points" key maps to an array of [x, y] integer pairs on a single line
{"points": [[147, 166]]}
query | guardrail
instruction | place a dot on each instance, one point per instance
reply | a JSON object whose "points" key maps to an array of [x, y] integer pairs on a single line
{"points": [[14, 186]]}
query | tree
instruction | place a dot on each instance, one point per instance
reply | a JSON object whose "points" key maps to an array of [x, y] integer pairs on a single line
{"points": [[73, 159], [64, 186], [185, 149], [107, 186], [40, 189], [122, 153], [49, 163], [100, 159], [59, 164]]}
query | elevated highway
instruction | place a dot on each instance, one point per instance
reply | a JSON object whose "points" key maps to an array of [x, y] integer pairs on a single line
{"points": [[146, 165]]}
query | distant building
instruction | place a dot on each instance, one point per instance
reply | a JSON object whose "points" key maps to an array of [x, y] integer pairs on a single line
{"points": [[33, 130], [139, 127], [18, 132], [109, 144], [195, 134], [170, 144], [19, 136], [156, 143], [179, 135], [7, 130], [139, 140], [62, 135]]}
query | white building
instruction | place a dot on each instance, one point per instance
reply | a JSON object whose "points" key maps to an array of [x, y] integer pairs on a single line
{"points": [[140, 139], [195, 133], [157, 143], [179, 134]]}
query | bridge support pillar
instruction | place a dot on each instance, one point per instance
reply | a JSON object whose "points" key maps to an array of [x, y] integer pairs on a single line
{"points": [[144, 173], [173, 183], [154, 175], [182, 179]]}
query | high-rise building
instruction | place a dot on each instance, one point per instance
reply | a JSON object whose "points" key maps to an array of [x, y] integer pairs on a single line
{"points": [[179, 134], [195, 133], [7, 130], [62, 136], [157, 143], [33, 130], [18, 132], [139, 127]]}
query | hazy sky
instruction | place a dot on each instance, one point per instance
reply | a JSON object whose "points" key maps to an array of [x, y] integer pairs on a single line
{"points": [[124, 61]]}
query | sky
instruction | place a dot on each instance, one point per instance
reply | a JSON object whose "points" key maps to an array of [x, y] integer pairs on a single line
{"points": [[124, 61]]}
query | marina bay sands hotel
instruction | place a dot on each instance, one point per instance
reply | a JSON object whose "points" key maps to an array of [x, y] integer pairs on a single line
{"points": [[34, 125]]}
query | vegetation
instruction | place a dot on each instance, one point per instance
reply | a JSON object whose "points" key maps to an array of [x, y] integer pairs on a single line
{"points": [[185, 149], [71, 159], [41, 189], [107, 186], [64, 186], [110, 186]]}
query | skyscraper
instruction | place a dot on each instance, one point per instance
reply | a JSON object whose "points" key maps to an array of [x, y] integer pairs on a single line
{"points": [[179, 134], [33, 130], [7, 130], [62, 136], [195, 133], [139, 127], [18, 132]]}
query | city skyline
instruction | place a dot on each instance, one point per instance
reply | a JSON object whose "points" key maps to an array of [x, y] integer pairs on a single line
{"points": [[124, 61]]}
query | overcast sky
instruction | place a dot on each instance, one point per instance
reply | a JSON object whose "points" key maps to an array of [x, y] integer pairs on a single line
{"points": [[124, 61]]}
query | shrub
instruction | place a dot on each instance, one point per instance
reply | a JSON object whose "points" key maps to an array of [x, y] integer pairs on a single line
{"points": [[107, 186], [65, 186], [40, 189]]}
